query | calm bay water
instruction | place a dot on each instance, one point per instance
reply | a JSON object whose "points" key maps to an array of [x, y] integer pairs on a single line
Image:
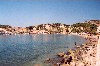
{"points": [[27, 50]]}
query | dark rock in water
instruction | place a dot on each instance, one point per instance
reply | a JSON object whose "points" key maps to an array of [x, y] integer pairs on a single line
{"points": [[68, 60], [63, 60], [68, 53], [86, 47], [48, 59], [61, 54], [58, 64], [75, 43], [55, 61]]}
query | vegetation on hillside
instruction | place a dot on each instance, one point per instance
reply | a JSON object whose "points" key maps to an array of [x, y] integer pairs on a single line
{"points": [[84, 27], [5, 26]]}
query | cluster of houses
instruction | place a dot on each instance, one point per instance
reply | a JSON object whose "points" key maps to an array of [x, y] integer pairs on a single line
{"points": [[4, 31], [39, 29], [57, 28], [49, 29], [98, 29]]}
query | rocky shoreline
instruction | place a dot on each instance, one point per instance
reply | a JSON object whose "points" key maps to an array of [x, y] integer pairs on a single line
{"points": [[83, 55]]}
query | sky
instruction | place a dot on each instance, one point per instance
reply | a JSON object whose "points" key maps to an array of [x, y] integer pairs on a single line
{"points": [[34, 12]]}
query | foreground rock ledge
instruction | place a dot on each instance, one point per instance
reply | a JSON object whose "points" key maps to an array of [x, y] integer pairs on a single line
{"points": [[83, 55]]}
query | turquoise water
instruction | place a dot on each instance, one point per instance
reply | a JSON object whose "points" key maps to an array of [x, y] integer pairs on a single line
{"points": [[27, 50]]}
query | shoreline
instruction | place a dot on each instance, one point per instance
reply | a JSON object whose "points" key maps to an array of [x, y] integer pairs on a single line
{"points": [[80, 55]]}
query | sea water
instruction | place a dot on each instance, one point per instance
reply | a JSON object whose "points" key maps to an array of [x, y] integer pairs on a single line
{"points": [[29, 50]]}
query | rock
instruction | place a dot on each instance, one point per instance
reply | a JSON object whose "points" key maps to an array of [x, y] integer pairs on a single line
{"points": [[67, 61], [65, 56], [58, 64], [48, 59], [62, 61], [68, 53], [61, 54]]}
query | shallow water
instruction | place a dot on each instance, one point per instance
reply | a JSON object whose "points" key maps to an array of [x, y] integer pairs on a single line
{"points": [[27, 50]]}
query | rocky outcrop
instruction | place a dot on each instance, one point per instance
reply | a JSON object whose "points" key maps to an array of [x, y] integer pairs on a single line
{"points": [[83, 55]]}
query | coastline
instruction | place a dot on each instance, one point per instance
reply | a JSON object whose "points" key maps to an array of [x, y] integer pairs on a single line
{"points": [[80, 55]]}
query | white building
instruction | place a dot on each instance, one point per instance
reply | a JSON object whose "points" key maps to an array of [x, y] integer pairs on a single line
{"points": [[98, 29], [47, 26], [4, 31], [69, 29], [62, 26], [34, 28]]}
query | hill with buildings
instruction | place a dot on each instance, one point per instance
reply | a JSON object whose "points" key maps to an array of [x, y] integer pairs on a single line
{"points": [[90, 27]]}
